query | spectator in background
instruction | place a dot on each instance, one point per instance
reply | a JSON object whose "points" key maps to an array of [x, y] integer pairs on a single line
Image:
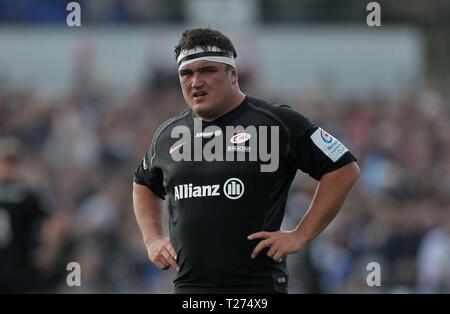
{"points": [[22, 214], [433, 260]]}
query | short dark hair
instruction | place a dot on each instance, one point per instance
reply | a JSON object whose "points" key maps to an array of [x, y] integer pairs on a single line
{"points": [[203, 37]]}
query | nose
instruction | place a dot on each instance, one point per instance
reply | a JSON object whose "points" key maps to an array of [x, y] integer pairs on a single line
{"points": [[197, 80]]}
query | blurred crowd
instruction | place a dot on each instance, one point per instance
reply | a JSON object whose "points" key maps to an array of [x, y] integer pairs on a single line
{"points": [[83, 146], [34, 12], [398, 215]]}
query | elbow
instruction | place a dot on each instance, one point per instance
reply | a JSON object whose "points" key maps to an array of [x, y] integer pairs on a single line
{"points": [[355, 172]]}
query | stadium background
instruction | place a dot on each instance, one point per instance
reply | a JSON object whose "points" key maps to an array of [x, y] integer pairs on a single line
{"points": [[85, 102]]}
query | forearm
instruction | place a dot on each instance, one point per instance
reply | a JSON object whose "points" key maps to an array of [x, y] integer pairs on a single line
{"points": [[147, 208], [328, 199]]}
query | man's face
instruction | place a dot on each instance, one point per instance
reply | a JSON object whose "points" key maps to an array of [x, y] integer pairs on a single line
{"points": [[207, 87]]}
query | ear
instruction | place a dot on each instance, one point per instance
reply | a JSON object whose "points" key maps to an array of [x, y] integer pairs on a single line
{"points": [[234, 76]]}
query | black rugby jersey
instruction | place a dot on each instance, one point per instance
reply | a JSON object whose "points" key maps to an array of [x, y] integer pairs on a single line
{"points": [[215, 204], [21, 213]]}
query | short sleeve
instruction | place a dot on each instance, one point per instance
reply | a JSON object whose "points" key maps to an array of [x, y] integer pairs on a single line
{"points": [[148, 173], [318, 153], [311, 149]]}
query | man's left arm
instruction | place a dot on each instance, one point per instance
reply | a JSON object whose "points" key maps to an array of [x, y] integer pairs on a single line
{"points": [[328, 199]]}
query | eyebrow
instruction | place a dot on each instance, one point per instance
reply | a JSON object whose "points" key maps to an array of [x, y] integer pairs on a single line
{"points": [[208, 67]]}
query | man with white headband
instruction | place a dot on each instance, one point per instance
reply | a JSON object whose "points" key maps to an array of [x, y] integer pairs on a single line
{"points": [[225, 215], [220, 93]]}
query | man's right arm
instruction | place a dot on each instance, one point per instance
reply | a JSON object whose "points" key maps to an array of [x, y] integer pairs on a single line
{"points": [[147, 208]]}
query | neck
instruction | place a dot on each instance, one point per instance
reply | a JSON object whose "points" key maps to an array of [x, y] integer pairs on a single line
{"points": [[236, 99]]}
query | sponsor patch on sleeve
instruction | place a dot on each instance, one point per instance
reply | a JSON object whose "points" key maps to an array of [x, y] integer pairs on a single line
{"points": [[329, 145]]}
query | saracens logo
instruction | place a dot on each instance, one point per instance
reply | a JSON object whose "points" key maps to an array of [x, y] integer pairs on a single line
{"points": [[233, 189], [240, 138]]}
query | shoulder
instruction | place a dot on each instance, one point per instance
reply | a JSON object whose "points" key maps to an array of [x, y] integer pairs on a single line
{"points": [[284, 115], [164, 128]]}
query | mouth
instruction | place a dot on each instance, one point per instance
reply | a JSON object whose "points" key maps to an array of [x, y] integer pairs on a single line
{"points": [[198, 95]]}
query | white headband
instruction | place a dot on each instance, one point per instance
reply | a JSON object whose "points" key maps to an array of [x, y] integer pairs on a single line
{"points": [[212, 53]]}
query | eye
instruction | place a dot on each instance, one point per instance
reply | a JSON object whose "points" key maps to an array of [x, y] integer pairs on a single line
{"points": [[208, 70]]}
